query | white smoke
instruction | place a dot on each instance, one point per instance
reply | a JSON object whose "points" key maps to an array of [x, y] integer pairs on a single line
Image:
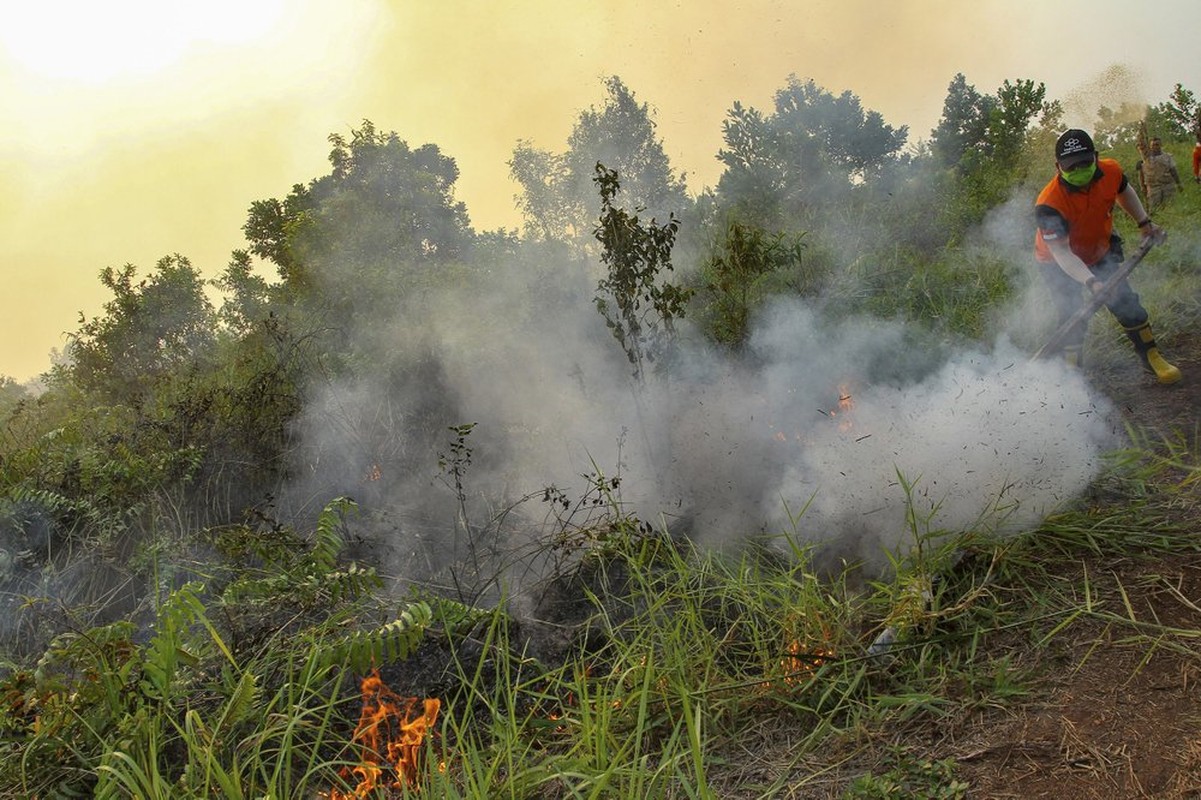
{"points": [[723, 447], [990, 441]]}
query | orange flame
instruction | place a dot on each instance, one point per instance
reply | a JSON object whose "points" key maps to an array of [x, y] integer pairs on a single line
{"points": [[845, 404], [389, 736], [800, 664]]}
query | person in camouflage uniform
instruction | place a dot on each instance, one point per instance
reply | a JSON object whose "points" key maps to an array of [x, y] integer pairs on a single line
{"points": [[1158, 175]]}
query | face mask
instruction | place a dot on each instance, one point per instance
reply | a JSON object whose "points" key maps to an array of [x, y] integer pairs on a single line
{"points": [[1079, 176]]}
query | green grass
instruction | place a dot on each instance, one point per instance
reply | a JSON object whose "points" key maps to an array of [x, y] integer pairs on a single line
{"points": [[686, 672]]}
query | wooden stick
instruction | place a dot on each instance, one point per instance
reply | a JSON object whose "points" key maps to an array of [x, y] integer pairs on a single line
{"points": [[1096, 301]]}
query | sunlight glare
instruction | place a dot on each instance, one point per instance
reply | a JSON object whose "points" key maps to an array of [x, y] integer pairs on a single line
{"points": [[94, 42]]}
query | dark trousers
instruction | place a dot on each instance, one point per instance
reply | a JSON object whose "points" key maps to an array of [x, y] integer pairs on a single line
{"points": [[1069, 296]]}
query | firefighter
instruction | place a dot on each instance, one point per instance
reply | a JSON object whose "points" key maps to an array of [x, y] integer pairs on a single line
{"points": [[1076, 246]]}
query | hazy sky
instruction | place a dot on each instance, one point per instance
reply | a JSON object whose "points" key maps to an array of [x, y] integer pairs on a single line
{"points": [[134, 129]]}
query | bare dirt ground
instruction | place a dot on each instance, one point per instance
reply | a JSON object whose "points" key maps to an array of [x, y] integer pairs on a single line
{"points": [[1112, 718]]}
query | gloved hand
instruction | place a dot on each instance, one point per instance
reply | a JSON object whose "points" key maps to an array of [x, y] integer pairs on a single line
{"points": [[1154, 234]]}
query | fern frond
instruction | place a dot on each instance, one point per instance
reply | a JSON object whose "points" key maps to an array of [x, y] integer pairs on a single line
{"points": [[323, 588], [328, 541], [43, 498], [352, 583], [395, 641], [168, 647], [240, 703], [451, 615]]}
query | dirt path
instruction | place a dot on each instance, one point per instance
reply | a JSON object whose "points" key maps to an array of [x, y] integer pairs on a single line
{"points": [[1112, 720]]}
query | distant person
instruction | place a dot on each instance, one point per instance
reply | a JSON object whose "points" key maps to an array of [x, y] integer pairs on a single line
{"points": [[1197, 160], [1076, 246], [1157, 173]]}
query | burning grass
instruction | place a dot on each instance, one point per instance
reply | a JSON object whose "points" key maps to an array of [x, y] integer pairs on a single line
{"points": [[390, 739]]}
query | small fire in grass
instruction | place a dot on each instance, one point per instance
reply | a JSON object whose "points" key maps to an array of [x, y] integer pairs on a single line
{"points": [[389, 735], [800, 664], [808, 646], [841, 414], [845, 404]]}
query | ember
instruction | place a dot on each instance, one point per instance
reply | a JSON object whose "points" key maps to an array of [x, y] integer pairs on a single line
{"points": [[389, 736]]}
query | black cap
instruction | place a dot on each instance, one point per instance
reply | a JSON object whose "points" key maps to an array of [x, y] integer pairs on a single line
{"points": [[1074, 142]]}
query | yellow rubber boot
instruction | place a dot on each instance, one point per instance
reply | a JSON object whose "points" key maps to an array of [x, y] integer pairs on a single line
{"points": [[1153, 360], [1165, 372]]}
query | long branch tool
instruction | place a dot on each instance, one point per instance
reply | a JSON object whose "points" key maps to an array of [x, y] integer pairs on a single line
{"points": [[1095, 302]]}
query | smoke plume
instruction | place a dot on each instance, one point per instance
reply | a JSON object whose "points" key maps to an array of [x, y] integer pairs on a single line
{"points": [[840, 433]]}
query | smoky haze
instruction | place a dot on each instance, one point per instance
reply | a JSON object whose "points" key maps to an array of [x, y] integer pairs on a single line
{"points": [[173, 151], [851, 435]]}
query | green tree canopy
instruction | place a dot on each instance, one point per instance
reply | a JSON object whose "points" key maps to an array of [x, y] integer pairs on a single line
{"points": [[558, 197], [1179, 117], [149, 329], [964, 122], [813, 143], [977, 127], [382, 202]]}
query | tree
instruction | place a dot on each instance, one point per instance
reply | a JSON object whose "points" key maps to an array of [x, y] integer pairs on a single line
{"points": [[759, 178], [985, 145], [546, 207], [383, 203], [976, 129], [385, 199], [558, 198], [736, 271], [131, 425], [639, 308], [964, 122], [814, 143], [12, 394], [1118, 127], [852, 141], [350, 246], [272, 226], [1018, 104], [621, 135], [1177, 117], [149, 330], [248, 296]]}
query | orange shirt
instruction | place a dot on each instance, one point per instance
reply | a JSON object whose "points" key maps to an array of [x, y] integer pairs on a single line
{"points": [[1084, 215], [1197, 161]]}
